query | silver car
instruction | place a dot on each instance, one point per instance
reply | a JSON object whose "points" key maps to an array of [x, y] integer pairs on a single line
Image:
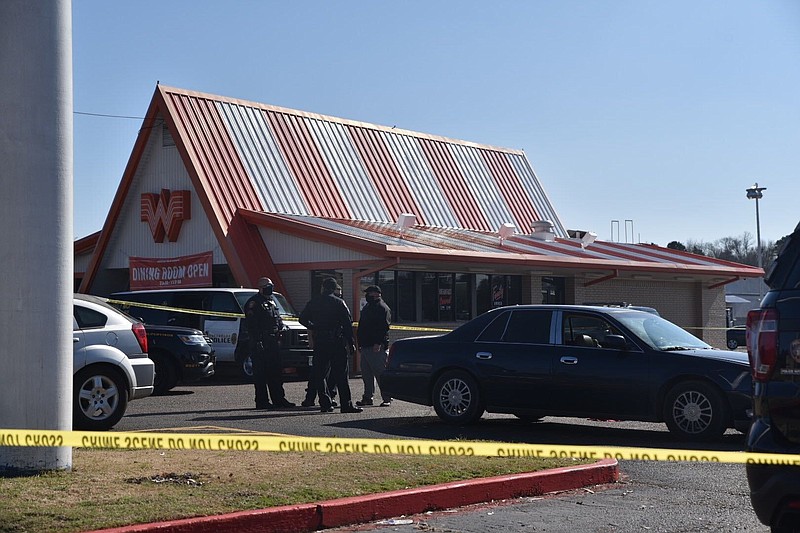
{"points": [[110, 363]]}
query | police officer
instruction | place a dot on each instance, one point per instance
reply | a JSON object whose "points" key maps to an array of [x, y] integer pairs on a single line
{"points": [[311, 387], [373, 342], [331, 324], [264, 327]]}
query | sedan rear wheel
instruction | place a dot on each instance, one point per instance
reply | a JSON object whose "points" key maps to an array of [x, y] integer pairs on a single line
{"points": [[732, 344], [456, 398], [695, 410]]}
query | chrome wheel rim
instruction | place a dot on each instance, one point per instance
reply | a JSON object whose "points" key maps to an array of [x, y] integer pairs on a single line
{"points": [[99, 397], [692, 412], [455, 397]]}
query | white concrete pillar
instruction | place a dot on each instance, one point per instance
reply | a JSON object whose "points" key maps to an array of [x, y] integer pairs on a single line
{"points": [[36, 271]]}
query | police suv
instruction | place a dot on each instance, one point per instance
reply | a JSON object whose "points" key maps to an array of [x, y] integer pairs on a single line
{"points": [[218, 313]]}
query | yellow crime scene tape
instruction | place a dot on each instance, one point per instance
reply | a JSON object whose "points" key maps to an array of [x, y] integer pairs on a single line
{"points": [[126, 304], [288, 443]]}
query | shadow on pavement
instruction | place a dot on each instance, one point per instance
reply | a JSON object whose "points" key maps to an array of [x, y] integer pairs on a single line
{"points": [[551, 430]]}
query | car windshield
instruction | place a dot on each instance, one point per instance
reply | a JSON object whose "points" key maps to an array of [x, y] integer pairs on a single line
{"points": [[284, 307], [659, 333]]}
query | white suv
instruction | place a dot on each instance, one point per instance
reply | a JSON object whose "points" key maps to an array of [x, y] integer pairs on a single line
{"points": [[110, 363]]}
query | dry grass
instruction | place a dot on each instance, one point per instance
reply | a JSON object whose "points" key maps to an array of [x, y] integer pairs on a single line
{"points": [[109, 488]]}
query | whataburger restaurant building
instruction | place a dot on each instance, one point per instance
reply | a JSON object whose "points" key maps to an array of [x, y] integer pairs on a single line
{"points": [[219, 192]]}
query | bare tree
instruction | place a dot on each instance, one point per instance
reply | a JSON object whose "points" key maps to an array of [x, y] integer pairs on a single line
{"points": [[742, 249]]}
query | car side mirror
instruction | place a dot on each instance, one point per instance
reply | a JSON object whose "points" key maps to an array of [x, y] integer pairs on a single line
{"points": [[615, 342]]}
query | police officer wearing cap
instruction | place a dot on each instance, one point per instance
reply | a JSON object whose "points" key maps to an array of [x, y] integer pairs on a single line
{"points": [[264, 326], [329, 320], [373, 342]]}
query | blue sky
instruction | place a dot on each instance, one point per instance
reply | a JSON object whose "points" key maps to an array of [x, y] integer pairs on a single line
{"points": [[656, 113]]}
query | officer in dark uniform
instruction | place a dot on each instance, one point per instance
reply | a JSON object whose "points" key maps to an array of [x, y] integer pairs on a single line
{"points": [[311, 387], [373, 341], [264, 327], [329, 320]]}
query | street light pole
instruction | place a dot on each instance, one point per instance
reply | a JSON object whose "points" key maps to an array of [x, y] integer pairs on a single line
{"points": [[756, 193]]}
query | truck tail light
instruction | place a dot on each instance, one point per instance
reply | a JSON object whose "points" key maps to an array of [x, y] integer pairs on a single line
{"points": [[762, 342], [141, 335]]}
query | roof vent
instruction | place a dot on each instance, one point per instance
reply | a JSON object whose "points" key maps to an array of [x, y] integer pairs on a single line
{"points": [[543, 230], [506, 230], [585, 238], [405, 220]]}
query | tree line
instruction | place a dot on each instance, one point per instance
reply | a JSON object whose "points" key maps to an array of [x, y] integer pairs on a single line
{"points": [[741, 249]]}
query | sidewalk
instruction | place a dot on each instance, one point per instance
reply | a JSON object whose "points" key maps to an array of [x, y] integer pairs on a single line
{"points": [[361, 509]]}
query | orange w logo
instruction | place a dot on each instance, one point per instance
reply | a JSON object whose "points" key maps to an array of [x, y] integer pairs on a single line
{"points": [[165, 213]]}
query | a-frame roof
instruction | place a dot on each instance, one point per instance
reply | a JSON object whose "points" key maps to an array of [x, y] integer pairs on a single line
{"points": [[246, 157]]}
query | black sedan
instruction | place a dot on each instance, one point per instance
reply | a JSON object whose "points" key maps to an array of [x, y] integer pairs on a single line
{"points": [[735, 337], [562, 360]]}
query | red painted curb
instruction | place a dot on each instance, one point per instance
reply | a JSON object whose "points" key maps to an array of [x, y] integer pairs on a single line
{"points": [[360, 509]]}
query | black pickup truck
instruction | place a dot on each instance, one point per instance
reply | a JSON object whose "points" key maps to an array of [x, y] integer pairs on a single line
{"points": [[180, 355], [773, 345]]}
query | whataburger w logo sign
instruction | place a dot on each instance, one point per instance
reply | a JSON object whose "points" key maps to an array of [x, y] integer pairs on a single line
{"points": [[165, 213]]}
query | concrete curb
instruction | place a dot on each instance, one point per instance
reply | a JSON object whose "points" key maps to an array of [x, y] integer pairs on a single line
{"points": [[360, 509]]}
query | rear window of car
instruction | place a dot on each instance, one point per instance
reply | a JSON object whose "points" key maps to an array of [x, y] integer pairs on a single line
{"points": [[88, 318], [528, 326]]}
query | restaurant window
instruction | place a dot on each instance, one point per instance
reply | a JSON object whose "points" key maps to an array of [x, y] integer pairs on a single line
{"points": [[437, 297], [552, 290], [497, 290], [397, 291], [463, 297], [482, 292], [386, 281], [514, 290], [318, 275], [406, 310]]}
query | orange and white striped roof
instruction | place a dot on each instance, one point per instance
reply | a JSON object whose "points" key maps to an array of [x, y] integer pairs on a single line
{"points": [[305, 164], [336, 175]]}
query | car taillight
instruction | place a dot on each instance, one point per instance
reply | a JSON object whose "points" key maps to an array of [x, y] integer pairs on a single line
{"points": [[141, 335], [762, 342]]}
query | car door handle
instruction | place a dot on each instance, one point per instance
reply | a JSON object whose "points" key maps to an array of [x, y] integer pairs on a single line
{"points": [[484, 355], [76, 339], [569, 360]]}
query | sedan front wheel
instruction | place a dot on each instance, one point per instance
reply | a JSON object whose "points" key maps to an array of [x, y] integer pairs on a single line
{"points": [[695, 410], [456, 398], [100, 396]]}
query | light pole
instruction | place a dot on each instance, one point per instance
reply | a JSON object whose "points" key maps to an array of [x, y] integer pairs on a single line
{"points": [[755, 193]]}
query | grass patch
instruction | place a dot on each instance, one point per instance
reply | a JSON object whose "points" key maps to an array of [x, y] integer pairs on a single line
{"points": [[111, 488]]}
